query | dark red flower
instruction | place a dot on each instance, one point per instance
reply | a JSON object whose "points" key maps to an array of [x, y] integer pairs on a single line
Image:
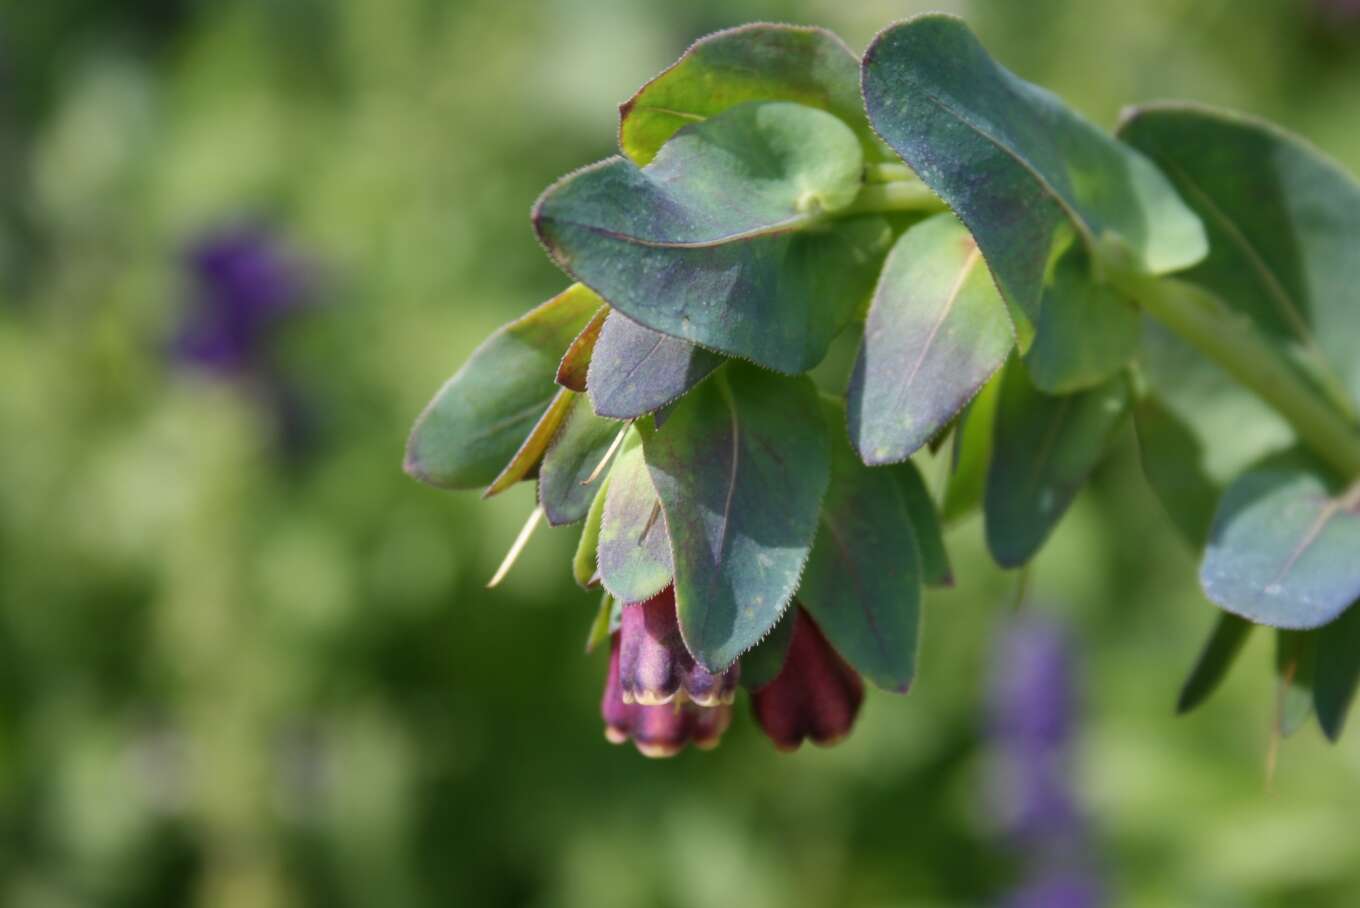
{"points": [[658, 731], [815, 695], [654, 665]]}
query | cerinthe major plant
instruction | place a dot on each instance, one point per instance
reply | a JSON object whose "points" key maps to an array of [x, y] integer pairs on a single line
{"points": [[1024, 284]]}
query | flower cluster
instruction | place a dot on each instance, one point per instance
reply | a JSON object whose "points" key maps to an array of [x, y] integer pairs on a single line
{"points": [[660, 698]]}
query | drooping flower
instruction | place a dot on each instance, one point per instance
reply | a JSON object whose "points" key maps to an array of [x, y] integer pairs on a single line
{"points": [[660, 730], [654, 665], [816, 695]]}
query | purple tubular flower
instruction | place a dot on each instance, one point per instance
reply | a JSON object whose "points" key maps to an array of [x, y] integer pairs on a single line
{"points": [[657, 731], [656, 668], [243, 285], [816, 695]]}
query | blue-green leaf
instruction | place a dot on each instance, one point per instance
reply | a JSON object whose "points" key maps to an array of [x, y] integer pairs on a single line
{"points": [[925, 519], [634, 551], [1087, 332], [1173, 462], [972, 452], [1283, 547], [636, 370], [1044, 449], [477, 422], [1025, 173], [1284, 226], [581, 442], [722, 239], [936, 331], [741, 467], [863, 579], [1220, 651], [758, 62], [1337, 671]]}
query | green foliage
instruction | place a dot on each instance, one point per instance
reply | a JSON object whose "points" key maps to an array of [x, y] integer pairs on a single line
{"points": [[925, 520], [1220, 652], [741, 467], [936, 331], [760, 62], [1173, 462], [862, 584], [763, 662], [1337, 671], [1282, 549], [1087, 332], [1026, 174], [1284, 225], [667, 246], [1044, 449], [634, 554], [636, 370], [477, 422], [565, 484]]}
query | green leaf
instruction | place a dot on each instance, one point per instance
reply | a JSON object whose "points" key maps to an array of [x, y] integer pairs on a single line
{"points": [[531, 452], [1025, 173], [634, 552], [1337, 671], [1220, 651], [607, 619], [714, 241], [759, 62], [1284, 226], [584, 565], [741, 466], [476, 423], [575, 364], [1233, 426], [925, 520], [580, 444], [636, 370], [1045, 447], [936, 331], [1173, 462], [763, 663], [862, 584], [1087, 332], [972, 453], [1295, 661], [1283, 547]]}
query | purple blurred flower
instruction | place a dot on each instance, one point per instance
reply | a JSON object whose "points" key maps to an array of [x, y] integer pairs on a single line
{"points": [[1032, 722], [244, 286], [1339, 11]]}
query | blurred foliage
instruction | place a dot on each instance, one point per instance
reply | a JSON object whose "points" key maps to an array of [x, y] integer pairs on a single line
{"points": [[233, 673]]}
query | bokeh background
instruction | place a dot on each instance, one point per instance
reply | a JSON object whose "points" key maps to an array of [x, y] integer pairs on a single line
{"points": [[244, 661]]}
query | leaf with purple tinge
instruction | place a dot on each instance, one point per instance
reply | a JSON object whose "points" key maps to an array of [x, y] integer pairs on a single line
{"points": [[740, 466], [634, 552], [863, 579], [1025, 173], [1043, 451], [936, 331], [723, 239], [479, 419], [1283, 547], [576, 450], [636, 370], [575, 364], [757, 62], [1220, 651], [1337, 671]]}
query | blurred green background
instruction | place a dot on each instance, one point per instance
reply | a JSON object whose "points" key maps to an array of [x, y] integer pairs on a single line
{"points": [[240, 668]]}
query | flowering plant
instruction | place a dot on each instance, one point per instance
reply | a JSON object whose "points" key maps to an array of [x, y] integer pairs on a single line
{"points": [[1022, 285]]}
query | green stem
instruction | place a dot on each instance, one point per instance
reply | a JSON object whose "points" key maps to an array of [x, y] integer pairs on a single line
{"points": [[900, 195], [1231, 341], [888, 173]]}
